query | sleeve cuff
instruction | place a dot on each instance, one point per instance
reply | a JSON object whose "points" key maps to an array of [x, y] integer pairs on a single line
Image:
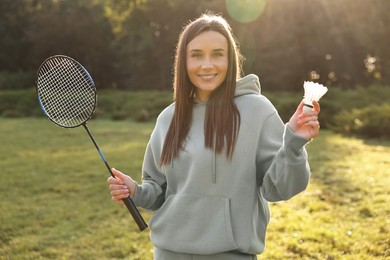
{"points": [[294, 145], [136, 197]]}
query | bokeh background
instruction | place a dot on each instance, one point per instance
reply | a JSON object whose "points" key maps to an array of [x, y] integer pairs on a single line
{"points": [[54, 202], [129, 44]]}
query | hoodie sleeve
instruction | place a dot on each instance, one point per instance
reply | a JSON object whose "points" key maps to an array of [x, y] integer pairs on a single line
{"points": [[151, 193], [283, 170]]}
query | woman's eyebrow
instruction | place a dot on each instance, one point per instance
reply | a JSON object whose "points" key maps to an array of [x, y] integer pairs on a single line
{"points": [[199, 50], [195, 50]]}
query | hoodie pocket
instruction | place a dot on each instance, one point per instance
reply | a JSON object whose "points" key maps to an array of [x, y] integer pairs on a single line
{"points": [[193, 224]]}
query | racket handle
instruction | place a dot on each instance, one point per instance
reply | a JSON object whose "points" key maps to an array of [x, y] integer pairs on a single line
{"points": [[135, 213], [128, 201]]}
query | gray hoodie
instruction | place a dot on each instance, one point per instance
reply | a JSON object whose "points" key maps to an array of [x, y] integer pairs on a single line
{"points": [[207, 204]]}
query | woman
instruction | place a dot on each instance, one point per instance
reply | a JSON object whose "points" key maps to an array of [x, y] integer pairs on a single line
{"points": [[217, 154]]}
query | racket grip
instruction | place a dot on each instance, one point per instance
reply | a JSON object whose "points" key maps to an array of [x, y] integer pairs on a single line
{"points": [[128, 201], [135, 213]]}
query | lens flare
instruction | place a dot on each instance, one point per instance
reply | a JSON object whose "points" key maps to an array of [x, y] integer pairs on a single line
{"points": [[245, 11]]}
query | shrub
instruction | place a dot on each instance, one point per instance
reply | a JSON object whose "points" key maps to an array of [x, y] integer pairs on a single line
{"points": [[19, 103], [17, 80], [335, 101], [339, 108], [143, 116], [119, 115], [285, 102], [371, 121]]}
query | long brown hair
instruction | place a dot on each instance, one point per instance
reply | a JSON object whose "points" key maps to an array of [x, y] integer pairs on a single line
{"points": [[222, 119]]}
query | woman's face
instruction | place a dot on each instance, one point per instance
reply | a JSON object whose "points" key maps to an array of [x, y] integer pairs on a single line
{"points": [[207, 62]]}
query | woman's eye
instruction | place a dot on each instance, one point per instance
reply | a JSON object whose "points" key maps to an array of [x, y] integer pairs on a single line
{"points": [[218, 54], [196, 55]]}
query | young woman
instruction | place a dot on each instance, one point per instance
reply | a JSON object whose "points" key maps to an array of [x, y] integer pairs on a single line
{"points": [[217, 155]]}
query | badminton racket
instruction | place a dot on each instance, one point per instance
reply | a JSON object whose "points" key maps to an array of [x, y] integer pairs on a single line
{"points": [[67, 95]]}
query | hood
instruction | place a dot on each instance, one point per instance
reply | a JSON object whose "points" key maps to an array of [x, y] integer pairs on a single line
{"points": [[249, 84]]}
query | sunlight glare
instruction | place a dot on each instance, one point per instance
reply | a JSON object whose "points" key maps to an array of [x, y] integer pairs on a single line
{"points": [[245, 11]]}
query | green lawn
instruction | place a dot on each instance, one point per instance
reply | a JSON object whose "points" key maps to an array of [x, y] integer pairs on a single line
{"points": [[54, 201]]}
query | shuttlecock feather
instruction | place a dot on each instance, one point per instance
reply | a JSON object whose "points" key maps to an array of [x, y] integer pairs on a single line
{"points": [[313, 92]]}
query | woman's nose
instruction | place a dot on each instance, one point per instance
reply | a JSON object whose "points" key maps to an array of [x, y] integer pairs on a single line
{"points": [[207, 63]]}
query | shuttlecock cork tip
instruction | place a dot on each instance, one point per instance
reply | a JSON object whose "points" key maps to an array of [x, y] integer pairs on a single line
{"points": [[313, 92]]}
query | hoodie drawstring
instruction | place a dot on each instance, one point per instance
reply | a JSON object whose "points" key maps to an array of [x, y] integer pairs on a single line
{"points": [[214, 171]]}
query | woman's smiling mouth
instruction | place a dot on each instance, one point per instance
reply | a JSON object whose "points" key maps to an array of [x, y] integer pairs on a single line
{"points": [[208, 76]]}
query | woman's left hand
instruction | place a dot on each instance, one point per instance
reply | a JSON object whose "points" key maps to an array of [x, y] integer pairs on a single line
{"points": [[305, 123]]}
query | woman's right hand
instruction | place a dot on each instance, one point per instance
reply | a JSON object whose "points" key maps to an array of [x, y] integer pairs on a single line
{"points": [[122, 186]]}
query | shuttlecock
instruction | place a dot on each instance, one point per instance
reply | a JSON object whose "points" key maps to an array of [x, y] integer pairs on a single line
{"points": [[313, 92]]}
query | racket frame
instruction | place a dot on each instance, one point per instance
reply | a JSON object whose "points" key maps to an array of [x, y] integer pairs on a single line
{"points": [[92, 86], [127, 201]]}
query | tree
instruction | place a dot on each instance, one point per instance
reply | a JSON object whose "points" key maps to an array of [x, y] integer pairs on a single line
{"points": [[14, 46], [130, 44], [74, 28]]}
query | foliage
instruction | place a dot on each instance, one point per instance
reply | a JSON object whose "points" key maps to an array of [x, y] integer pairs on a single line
{"points": [[19, 103], [371, 121], [117, 105], [55, 204], [362, 110], [345, 110], [45, 28], [140, 105], [337, 100], [17, 79], [130, 44], [285, 102]]}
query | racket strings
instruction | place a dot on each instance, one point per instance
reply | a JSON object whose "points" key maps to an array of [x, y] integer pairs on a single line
{"points": [[66, 92]]}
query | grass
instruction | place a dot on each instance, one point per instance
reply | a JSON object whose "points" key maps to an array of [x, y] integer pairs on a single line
{"points": [[55, 204], [344, 213]]}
